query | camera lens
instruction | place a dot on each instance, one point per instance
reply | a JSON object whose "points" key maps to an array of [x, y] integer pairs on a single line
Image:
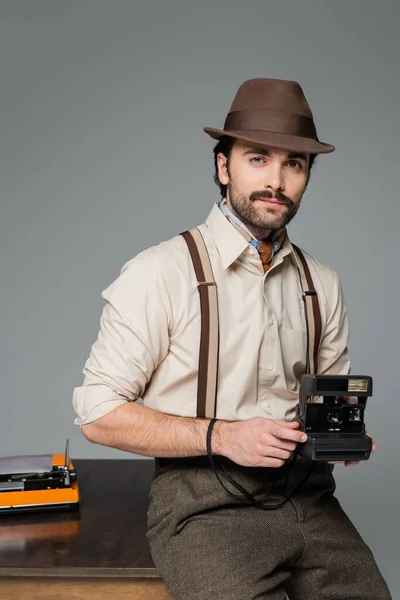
{"points": [[335, 417]]}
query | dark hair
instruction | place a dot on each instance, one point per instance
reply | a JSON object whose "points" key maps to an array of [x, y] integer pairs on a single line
{"points": [[224, 146]]}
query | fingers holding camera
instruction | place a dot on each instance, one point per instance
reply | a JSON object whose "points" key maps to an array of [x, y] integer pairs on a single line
{"points": [[353, 463], [258, 442], [373, 443]]}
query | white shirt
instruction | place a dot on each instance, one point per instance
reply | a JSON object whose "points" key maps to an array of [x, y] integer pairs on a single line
{"points": [[149, 339]]}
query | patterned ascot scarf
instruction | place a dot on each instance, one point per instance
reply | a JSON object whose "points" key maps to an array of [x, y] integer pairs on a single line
{"points": [[266, 248]]}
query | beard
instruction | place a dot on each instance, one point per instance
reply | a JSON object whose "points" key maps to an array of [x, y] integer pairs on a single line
{"points": [[268, 217]]}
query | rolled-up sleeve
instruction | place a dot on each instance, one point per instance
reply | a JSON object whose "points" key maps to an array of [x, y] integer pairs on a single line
{"points": [[333, 352], [133, 340]]}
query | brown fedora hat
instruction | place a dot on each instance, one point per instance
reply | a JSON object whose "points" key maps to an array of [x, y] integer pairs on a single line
{"points": [[272, 112]]}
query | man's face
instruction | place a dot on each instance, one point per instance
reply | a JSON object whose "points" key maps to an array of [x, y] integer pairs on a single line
{"points": [[264, 184]]}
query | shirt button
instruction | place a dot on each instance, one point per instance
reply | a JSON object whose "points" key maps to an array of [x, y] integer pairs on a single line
{"points": [[251, 250], [265, 405], [271, 321], [269, 367]]}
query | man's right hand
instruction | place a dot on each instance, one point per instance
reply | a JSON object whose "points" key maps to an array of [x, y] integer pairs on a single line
{"points": [[257, 442]]}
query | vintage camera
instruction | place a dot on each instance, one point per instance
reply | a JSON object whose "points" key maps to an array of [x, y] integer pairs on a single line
{"points": [[335, 427]]}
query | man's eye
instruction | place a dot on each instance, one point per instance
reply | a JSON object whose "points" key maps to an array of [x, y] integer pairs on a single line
{"points": [[257, 160], [294, 164]]}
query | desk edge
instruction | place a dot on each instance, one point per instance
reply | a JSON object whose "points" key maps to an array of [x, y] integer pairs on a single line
{"points": [[88, 572]]}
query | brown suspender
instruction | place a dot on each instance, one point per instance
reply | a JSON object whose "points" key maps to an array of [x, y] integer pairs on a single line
{"points": [[209, 340], [313, 313]]}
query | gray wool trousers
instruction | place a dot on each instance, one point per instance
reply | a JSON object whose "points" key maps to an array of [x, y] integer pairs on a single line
{"points": [[207, 544]]}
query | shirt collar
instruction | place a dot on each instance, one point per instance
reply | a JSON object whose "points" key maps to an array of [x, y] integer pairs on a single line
{"points": [[229, 242], [246, 233]]}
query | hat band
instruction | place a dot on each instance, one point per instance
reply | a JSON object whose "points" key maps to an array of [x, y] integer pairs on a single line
{"points": [[270, 120]]}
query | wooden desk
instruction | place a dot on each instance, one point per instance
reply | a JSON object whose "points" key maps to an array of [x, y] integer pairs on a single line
{"points": [[99, 551]]}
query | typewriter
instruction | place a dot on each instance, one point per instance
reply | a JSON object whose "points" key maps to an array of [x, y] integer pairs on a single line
{"points": [[36, 483]]}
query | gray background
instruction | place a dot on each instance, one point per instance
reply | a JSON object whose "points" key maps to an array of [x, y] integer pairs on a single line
{"points": [[102, 105]]}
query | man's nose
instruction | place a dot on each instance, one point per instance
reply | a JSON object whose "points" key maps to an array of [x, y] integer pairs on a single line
{"points": [[275, 178]]}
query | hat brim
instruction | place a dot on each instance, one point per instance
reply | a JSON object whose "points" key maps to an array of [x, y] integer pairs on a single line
{"points": [[277, 140]]}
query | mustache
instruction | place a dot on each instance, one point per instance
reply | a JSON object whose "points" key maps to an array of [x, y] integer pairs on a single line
{"points": [[267, 194]]}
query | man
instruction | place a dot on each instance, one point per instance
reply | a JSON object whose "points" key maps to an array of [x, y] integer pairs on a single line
{"points": [[268, 523]]}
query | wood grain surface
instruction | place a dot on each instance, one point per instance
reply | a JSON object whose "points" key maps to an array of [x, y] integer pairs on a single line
{"points": [[38, 588], [106, 537]]}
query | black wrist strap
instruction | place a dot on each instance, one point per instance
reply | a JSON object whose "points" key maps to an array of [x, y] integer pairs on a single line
{"points": [[208, 441], [243, 492]]}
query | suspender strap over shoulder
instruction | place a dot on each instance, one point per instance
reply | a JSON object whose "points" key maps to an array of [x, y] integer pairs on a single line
{"points": [[312, 310], [209, 339]]}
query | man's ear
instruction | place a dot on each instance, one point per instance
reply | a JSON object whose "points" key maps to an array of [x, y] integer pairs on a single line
{"points": [[222, 163]]}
